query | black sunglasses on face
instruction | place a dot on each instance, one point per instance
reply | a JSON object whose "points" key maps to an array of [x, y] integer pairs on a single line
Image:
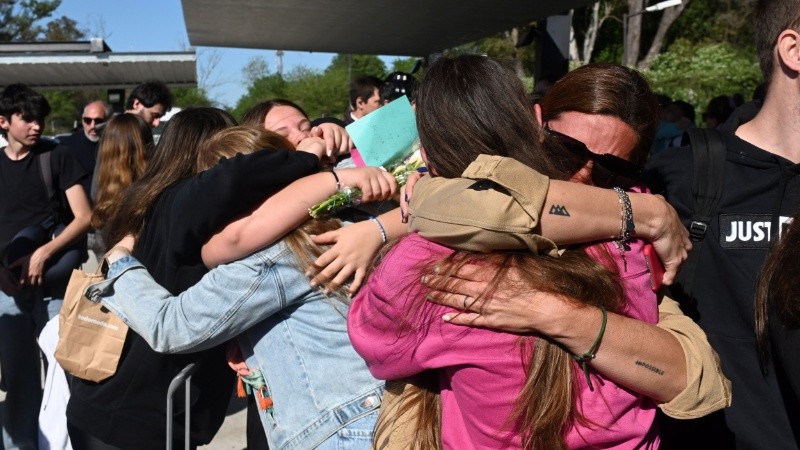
{"points": [[608, 170], [97, 120]]}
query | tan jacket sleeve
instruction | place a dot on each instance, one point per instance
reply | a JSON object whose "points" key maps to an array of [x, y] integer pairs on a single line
{"points": [[494, 206], [707, 388]]}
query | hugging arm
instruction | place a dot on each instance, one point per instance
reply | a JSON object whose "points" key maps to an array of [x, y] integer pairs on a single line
{"points": [[530, 210], [213, 198], [539, 214], [288, 208], [671, 362], [227, 301], [634, 354]]}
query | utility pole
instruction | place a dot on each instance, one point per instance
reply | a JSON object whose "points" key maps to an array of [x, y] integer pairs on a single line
{"points": [[279, 63]]}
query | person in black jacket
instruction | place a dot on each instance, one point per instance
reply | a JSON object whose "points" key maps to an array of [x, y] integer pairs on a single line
{"points": [[760, 192]]}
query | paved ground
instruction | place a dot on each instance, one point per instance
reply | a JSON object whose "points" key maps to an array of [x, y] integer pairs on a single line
{"points": [[230, 437]]}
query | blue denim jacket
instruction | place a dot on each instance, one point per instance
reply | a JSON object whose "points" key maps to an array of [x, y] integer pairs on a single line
{"points": [[292, 333]]}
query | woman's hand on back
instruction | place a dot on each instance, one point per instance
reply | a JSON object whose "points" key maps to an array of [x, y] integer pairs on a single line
{"points": [[501, 309]]}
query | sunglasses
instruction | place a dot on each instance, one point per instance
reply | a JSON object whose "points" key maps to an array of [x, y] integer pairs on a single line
{"points": [[89, 120], [608, 170]]}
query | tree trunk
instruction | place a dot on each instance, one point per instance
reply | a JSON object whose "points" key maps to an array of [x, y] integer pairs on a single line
{"points": [[574, 53], [669, 17], [633, 33], [594, 29], [513, 36]]}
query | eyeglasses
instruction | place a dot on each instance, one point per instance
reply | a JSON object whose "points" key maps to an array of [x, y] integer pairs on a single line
{"points": [[97, 120], [608, 170]]}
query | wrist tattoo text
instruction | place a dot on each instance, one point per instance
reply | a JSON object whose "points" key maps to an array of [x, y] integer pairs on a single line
{"points": [[649, 367], [559, 210]]}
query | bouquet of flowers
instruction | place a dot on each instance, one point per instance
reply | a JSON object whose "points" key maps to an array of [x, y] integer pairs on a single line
{"points": [[349, 196]]}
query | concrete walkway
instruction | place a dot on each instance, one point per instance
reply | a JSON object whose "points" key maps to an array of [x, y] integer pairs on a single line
{"points": [[230, 437]]}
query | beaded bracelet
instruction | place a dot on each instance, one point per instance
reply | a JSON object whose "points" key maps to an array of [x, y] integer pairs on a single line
{"points": [[590, 354], [380, 228]]}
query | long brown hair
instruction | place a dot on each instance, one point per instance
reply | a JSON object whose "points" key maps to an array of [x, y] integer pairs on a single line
{"points": [[778, 289], [125, 147], [610, 90], [175, 159], [468, 105]]}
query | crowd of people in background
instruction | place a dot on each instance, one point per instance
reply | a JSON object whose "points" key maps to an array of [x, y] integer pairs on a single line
{"points": [[526, 290]]}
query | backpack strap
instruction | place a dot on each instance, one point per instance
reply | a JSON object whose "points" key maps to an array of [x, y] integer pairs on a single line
{"points": [[46, 169], [708, 150]]}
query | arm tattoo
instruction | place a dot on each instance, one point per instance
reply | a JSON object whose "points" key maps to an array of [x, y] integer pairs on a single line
{"points": [[559, 210], [649, 367]]}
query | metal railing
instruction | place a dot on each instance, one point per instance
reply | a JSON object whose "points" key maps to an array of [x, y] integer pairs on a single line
{"points": [[183, 377]]}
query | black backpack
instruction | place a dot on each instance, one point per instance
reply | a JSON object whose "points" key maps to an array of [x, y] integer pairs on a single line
{"points": [[708, 150]]}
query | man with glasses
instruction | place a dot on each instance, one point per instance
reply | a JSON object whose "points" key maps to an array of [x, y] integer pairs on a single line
{"points": [[83, 142]]}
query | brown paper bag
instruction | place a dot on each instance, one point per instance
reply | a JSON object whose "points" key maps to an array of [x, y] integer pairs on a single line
{"points": [[91, 337]]}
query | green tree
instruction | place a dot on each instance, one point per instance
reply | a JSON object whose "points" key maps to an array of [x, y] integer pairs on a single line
{"points": [[264, 88], [320, 94], [404, 64], [19, 19], [505, 46], [185, 97], [63, 29], [696, 73], [728, 21], [358, 65]]}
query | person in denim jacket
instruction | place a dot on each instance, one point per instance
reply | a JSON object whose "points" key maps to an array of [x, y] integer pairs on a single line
{"points": [[296, 336]]}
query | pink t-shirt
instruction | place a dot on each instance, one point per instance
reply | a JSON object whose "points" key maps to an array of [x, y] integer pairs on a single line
{"points": [[481, 371]]}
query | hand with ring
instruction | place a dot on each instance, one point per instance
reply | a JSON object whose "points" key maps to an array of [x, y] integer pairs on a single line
{"points": [[466, 306], [504, 308]]}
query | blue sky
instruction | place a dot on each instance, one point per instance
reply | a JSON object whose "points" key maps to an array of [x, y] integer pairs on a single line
{"points": [[157, 25]]}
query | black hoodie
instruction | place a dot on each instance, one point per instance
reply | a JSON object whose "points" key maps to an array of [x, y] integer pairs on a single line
{"points": [[761, 191]]}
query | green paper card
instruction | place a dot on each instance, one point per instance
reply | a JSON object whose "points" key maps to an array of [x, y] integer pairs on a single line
{"points": [[385, 136]]}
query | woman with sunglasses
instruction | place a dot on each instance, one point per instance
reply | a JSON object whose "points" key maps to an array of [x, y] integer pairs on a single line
{"points": [[598, 111]]}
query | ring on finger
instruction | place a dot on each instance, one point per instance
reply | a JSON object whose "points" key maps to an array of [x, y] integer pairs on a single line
{"points": [[466, 307]]}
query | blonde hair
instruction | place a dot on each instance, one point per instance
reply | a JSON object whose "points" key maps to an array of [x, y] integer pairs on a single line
{"points": [[232, 141]]}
